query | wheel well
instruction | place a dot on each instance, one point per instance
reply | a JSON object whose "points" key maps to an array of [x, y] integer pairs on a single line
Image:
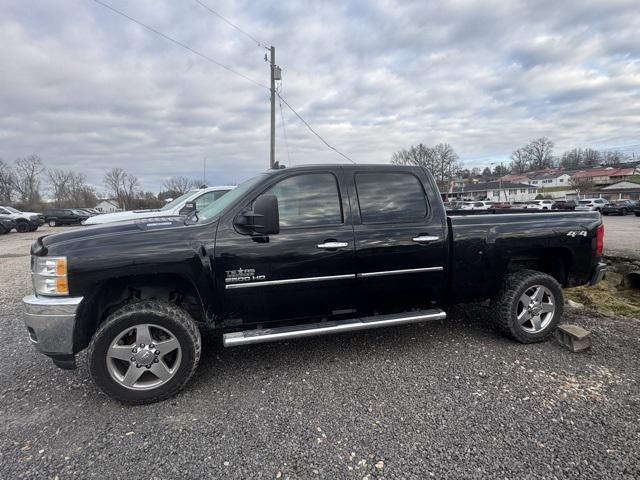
{"points": [[555, 262], [115, 293]]}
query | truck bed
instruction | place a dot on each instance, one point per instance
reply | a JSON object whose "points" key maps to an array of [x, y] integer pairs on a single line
{"points": [[485, 246]]}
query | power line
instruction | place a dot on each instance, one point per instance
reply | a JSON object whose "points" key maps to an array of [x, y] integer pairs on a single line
{"points": [[251, 37], [312, 130], [180, 44]]}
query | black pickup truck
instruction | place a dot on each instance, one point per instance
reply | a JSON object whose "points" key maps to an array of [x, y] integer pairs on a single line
{"points": [[294, 252]]}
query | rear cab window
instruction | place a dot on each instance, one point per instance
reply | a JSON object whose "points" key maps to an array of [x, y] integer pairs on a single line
{"points": [[390, 197]]}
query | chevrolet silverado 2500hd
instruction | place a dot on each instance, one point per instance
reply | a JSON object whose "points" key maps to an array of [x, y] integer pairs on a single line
{"points": [[295, 252]]}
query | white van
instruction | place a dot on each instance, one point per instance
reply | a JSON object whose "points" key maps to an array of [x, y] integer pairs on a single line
{"points": [[203, 197]]}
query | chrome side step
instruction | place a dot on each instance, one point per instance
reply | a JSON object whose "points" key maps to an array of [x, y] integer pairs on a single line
{"points": [[248, 337]]}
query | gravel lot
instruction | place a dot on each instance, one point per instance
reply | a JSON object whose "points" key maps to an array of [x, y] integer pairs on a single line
{"points": [[448, 399], [622, 236]]}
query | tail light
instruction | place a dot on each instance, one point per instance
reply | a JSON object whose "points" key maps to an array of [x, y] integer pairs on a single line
{"points": [[600, 240]]}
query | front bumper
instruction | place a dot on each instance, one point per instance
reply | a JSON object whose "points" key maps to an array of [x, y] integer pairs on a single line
{"points": [[51, 322], [598, 273], [8, 224]]}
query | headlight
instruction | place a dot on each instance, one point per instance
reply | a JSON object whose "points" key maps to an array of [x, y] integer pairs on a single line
{"points": [[49, 275]]}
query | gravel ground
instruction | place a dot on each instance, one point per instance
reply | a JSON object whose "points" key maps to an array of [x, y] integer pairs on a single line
{"points": [[622, 236], [448, 399]]}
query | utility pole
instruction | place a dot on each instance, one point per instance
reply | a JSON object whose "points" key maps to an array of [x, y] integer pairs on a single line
{"points": [[272, 60]]}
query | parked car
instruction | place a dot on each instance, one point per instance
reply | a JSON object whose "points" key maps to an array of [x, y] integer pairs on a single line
{"points": [[201, 196], [636, 209], [564, 205], [500, 205], [539, 205], [591, 204], [619, 207], [294, 253], [476, 206], [25, 221], [89, 211], [55, 217], [6, 224]]}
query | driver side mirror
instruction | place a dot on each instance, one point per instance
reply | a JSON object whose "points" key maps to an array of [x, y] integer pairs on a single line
{"points": [[188, 208], [264, 219]]}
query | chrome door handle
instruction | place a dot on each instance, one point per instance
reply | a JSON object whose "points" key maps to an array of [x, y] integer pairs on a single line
{"points": [[425, 239], [333, 245]]}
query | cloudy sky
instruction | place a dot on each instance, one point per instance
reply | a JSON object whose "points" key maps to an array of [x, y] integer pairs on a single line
{"points": [[88, 89]]}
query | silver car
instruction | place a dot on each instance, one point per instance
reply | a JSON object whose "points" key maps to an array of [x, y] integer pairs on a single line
{"points": [[591, 204]]}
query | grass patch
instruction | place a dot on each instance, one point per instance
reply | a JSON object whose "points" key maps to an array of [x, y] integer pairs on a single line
{"points": [[607, 297]]}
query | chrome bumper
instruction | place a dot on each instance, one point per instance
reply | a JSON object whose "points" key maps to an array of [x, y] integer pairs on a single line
{"points": [[51, 322], [598, 273]]}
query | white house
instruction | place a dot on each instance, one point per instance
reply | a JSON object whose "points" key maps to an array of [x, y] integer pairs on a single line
{"points": [[494, 192], [548, 179], [108, 206]]}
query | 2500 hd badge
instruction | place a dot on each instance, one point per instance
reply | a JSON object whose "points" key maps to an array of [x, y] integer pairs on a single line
{"points": [[242, 275]]}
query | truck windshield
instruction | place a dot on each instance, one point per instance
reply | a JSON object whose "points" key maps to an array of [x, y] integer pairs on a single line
{"points": [[217, 207], [177, 201]]}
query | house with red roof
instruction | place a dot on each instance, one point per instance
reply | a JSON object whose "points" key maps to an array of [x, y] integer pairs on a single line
{"points": [[606, 175]]}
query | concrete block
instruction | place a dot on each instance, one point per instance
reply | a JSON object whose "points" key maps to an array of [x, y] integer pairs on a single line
{"points": [[575, 338]]}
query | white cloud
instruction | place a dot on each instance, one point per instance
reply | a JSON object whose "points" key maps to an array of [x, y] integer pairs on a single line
{"points": [[87, 89]]}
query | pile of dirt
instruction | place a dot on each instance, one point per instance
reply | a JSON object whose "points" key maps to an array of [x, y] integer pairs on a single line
{"points": [[617, 294]]}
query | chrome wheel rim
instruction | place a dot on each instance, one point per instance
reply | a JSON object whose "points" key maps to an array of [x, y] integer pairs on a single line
{"points": [[536, 308], [143, 357]]}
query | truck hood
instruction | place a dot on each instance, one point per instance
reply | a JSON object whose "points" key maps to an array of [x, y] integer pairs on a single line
{"points": [[130, 215], [83, 234]]}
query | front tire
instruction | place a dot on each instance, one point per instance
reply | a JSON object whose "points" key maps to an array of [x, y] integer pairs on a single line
{"points": [[22, 227], [52, 223], [529, 306], [145, 352]]}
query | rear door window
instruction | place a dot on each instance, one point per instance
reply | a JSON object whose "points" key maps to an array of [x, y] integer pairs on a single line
{"points": [[390, 197]]}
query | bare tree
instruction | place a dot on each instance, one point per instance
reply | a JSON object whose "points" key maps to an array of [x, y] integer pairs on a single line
{"points": [[70, 189], [132, 188], [441, 160], [27, 179], [613, 158], [7, 182], [115, 180], [519, 161], [447, 163], [539, 153], [59, 183], [581, 185], [590, 158], [416, 155], [571, 159], [179, 185]]}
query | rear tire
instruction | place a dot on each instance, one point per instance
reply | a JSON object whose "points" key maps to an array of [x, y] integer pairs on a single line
{"points": [[52, 223], [123, 373], [529, 306]]}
